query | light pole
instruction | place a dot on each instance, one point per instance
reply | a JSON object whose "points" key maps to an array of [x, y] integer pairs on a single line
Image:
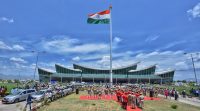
{"points": [[194, 69], [81, 77], [36, 64]]}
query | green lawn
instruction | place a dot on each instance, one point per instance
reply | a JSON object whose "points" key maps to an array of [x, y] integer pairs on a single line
{"points": [[72, 103], [165, 105], [180, 88], [9, 86]]}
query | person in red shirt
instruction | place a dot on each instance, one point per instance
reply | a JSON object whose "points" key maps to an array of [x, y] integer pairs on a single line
{"points": [[137, 94], [118, 95], [125, 100], [166, 93]]}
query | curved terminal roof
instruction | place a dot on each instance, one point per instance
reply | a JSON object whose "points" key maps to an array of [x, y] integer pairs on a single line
{"points": [[163, 72], [45, 71], [133, 66], [169, 73], [63, 69], [120, 70], [148, 70]]}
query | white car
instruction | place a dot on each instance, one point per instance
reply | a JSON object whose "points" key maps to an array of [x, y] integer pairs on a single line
{"points": [[18, 96], [49, 94], [39, 96]]}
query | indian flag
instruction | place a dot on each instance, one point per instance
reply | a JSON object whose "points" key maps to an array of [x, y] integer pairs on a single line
{"points": [[99, 18]]}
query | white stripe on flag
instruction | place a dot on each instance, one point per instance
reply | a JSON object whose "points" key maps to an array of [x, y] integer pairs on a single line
{"points": [[97, 16]]}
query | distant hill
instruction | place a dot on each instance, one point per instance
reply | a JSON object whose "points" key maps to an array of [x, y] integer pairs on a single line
{"points": [[192, 79], [11, 76]]}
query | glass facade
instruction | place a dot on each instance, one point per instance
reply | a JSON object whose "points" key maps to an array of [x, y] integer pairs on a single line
{"points": [[90, 74]]}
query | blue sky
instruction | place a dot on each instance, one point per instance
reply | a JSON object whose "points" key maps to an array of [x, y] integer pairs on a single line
{"points": [[153, 32]]}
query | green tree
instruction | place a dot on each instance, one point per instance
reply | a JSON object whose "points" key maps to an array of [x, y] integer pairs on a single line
{"points": [[184, 81], [17, 81], [9, 81]]}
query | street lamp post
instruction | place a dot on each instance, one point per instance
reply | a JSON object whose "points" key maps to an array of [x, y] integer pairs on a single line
{"points": [[36, 64], [194, 69], [81, 77]]}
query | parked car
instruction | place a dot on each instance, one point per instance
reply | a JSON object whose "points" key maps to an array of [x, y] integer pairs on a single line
{"points": [[69, 90], [49, 94], [54, 94], [39, 96], [18, 96]]}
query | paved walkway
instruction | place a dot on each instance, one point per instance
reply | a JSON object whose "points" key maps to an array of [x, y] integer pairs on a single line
{"points": [[191, 101], [15, 106]]}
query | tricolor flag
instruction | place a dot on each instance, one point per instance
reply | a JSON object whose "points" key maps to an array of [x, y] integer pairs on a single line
{"points": [[99, 18]]}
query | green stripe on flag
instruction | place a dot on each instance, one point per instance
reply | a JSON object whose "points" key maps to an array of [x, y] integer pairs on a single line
{"points": [[98, 21]]}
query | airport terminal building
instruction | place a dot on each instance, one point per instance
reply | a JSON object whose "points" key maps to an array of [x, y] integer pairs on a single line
{"points": [[128, 74]]}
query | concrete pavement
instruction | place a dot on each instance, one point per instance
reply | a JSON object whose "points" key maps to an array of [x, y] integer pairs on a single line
{"points": [[191, 101], [15, 106], [12, 107]]}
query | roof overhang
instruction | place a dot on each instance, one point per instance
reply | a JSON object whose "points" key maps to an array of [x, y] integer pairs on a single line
{"points": [[149, 67], [124, 67]]}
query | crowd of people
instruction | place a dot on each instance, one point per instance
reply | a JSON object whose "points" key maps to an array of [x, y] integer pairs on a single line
{"points": [[171, 93], [133, 96], [130, 96], [195, 92], [98, 91]]}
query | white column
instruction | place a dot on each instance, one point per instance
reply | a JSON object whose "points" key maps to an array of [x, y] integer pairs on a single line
{"points": [[111, 78]]}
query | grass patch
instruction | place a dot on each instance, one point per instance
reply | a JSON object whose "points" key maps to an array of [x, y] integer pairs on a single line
{"points": [[174, 106], [166, 105], [9, 86], [73, 103]]}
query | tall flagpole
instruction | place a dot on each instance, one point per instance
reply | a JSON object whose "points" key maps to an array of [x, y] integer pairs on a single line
{"points": [[111, 78]]}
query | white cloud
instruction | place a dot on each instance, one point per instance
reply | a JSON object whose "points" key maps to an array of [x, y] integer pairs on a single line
{"points": [[152, 38], [153, 53], [195, 11], [16, 59], [4, 46], [15, 47], [18, 47], [172, 44], [147, 55], [115, 55], [5, 19], [67, 45], [167, 60], [182, 65], [77, 58], [117, 40], [105, 61]]}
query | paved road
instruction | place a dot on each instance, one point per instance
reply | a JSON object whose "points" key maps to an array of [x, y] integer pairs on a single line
{"points": [[12, 107], [191, 101]]}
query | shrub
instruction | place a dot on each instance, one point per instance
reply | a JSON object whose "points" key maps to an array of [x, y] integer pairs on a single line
{"points": [[174, 106]]}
